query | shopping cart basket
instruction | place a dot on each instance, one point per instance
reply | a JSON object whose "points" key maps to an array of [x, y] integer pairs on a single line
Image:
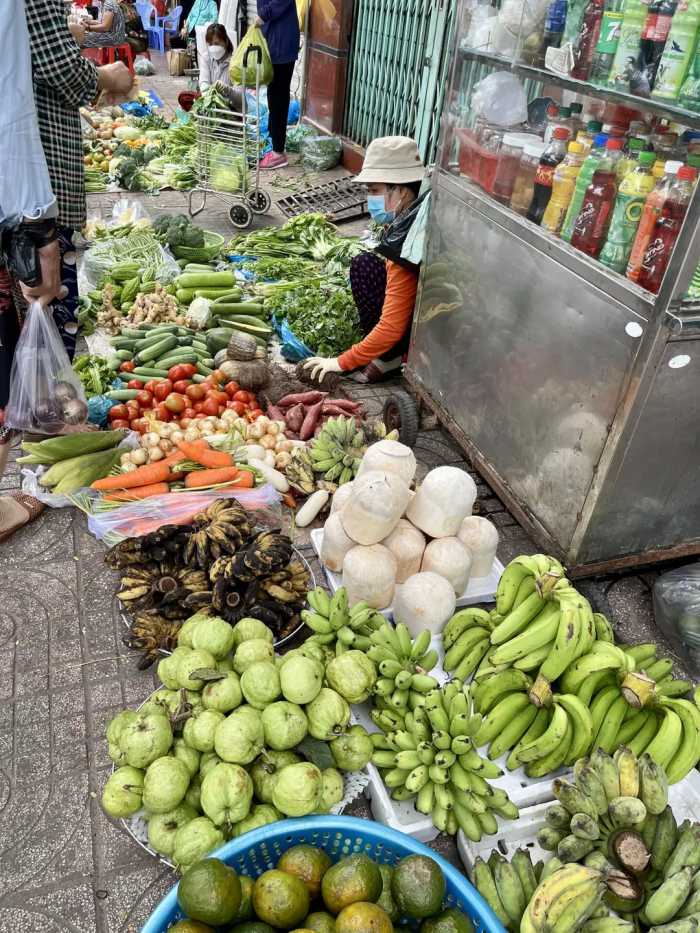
{"points": [[228, 146]]}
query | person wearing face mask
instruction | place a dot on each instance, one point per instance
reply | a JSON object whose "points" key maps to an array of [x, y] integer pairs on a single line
{"points": [[384, 283], [213, 67]]}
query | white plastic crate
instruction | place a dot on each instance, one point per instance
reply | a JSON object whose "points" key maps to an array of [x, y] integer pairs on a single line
{"points": [[479, 589], [684, 798]]}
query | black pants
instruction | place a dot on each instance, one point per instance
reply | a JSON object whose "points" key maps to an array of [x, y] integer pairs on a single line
{"points": [[368, 287], [278, 95]]}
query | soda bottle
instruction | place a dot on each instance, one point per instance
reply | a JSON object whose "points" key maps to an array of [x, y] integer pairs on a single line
{"points": [[625, 73], [657, 26], [563, 185], [587, 39], [544, 176], [678, 51], [591, 225], [552, 122], [650, 214], [630, 158], [586, 137], [553, 29], [666, 229], [564, 119], [629, 204], [608, 39], [689, 97], [523, 186], [583, 180]]}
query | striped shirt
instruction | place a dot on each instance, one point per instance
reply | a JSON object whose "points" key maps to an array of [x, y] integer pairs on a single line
{"points": [[63, 82]]}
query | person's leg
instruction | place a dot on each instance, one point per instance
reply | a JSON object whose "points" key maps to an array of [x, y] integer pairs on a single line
{"points": [[368, 286], [278, 94]]}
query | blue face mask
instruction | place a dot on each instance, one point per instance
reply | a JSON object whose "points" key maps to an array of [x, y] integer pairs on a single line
{"points": [[376, 205]]}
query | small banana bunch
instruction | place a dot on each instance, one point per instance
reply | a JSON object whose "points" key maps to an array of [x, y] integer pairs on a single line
{"points": [[673, 903], [564, 901], [404, 665], [300, 471], [428, 753], [337, 450], [507, 887], [466, 638], [334, 621]]}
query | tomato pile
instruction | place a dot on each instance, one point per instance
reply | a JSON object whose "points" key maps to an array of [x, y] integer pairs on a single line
{"points": [[181, 400]]}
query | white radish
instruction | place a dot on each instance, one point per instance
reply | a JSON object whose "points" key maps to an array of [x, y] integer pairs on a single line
{"points": [[310, 509], [270, 475]]}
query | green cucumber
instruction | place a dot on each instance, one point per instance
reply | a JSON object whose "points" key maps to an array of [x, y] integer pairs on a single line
{"points": [[175, 359], [134, 332], [123, 343], [209, 279], [248, 328], [204, 370], [250, 320], [156, 350], [122, 395], [198, 378], [165, 329], [149, 341], [215, 293], [151, 372], [124, 355]]}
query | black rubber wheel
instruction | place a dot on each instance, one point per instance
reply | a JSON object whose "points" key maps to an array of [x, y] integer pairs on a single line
{"points": [[401, 414], [240, 216], [260, 201]]}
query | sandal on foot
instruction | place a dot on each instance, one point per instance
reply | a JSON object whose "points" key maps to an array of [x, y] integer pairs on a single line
{"points": [[17, 510]]}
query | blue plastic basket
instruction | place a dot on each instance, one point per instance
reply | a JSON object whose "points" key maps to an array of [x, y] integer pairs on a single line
{"points": [[259, 850]]}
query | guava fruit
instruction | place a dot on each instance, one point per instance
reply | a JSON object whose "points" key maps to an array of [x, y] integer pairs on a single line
{"points": [[247, 629], [224, 665], [167, 672], [159, 702], [214, 635], [162, 827], [353, 750], [165, 784], [227, 791], [145, 738], [194, 840], [187, 629], [223, 695], [262, 814], [265, 770], [352, 675], [207, 762], [200, 729], [333, 788], [188, 755], [240, 737], [114, 731], [285, 725], [297, 791], [301, 679], [328, 715], [248, 652], [260, 684], [123, 791], [194, 661], [193, 797]]}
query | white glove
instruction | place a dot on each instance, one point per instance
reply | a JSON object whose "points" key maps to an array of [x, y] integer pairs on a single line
{"points": [[320, 366]]}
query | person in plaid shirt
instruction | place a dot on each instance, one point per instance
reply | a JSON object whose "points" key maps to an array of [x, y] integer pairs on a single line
{"points": [[63, 82]]}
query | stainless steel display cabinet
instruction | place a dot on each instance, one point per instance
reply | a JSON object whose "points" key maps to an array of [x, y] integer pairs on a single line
{"points": [[575, 393]]}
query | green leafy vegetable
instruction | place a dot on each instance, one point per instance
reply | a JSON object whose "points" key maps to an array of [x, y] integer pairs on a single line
{"points": [[94, 373], [323, 317]]}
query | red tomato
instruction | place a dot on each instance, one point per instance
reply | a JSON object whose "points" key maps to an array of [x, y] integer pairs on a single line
{"points": [[118, 412], [141, 425], [177, 372], [255, 414], [163, 390], [120, 423], [231, 388], [242, 396], [181, 386], [176, 403], [238, 407], [162, 413], [210, 407], [195, 392], [189, 413], [191, 369], [133, 384], [150, 386], [200, 415], [219, 397], [127, 367], [134, 409], [145, 399]]}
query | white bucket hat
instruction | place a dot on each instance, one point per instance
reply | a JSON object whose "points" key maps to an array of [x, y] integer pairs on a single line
{"points": [[392, 160]]}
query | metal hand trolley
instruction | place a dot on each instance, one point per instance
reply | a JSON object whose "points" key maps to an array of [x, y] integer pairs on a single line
{"points": [[235, 139]]}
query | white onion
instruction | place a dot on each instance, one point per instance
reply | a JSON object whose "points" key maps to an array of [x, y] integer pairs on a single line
{"points": [[139, 456], [177, 436], [166, 445], [268, 442], [150, 439], [126, 458], [128, 467], [191, 434], [256, 431], [155, 453], [273, 428]]}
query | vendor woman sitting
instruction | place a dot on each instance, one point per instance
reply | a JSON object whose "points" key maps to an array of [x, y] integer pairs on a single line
{"points": [[383, 283], [110, 30]]}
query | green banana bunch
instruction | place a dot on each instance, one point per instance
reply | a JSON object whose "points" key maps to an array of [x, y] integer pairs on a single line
{"points": [[338, 449], [545, 571], [300, 471], [564, 900], [507, 887], [466, 641], [403, 664], [334, 622]]}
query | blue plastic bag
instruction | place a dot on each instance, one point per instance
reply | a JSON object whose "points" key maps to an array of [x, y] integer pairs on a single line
{"points": [[293, 349]]}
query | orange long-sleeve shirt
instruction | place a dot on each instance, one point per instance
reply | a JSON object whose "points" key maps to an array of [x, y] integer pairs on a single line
{"points": [[399, 301]]}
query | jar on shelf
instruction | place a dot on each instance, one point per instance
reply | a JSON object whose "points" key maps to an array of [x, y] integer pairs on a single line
{"points": [[508, 163], [524, 184]]}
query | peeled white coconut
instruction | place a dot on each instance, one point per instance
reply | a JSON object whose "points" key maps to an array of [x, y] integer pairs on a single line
{"points": [[481, 538], [425, 600], [442, 501], [377, 502], [369, 574], [407, 544], [336, 543], [451, 559], [341, 496], [391, 457]]}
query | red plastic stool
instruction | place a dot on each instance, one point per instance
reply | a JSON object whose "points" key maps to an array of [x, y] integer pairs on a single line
{"points": [[124, 52]]}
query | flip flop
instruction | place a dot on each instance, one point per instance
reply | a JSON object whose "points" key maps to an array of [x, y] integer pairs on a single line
{"points": [[17, 510]]}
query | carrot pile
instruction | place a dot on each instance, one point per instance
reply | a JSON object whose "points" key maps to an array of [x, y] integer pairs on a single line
{"points": [[215, 468]]}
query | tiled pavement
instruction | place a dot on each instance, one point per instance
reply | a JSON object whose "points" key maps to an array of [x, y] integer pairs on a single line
{"points": [[64, 867]]}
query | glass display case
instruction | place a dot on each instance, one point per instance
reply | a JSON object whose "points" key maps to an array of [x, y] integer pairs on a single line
{"points": [[558, 327]]}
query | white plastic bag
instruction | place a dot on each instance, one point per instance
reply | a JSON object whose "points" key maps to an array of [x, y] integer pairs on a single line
{"points": [[45, 393], [500, 99], [677, 612]]}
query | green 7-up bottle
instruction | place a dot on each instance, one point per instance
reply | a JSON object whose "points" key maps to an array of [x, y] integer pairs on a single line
{"points": [[678, 50], [608, 39]]}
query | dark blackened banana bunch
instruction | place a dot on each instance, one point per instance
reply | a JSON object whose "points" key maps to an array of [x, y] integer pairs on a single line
{"points": [[267, 553], [221, 530], [151, 633], [164, 584]]}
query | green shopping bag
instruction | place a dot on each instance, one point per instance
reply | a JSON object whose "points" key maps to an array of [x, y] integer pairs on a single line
{"points": [[252, 49]]}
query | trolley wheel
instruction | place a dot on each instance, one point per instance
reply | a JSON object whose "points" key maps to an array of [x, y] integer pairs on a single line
{"points": [[401, 414], [259, 201], [240, 216]]}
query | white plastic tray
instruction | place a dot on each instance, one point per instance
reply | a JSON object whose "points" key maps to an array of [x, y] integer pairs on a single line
{"points": [[684, 798], [479, 589]]}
